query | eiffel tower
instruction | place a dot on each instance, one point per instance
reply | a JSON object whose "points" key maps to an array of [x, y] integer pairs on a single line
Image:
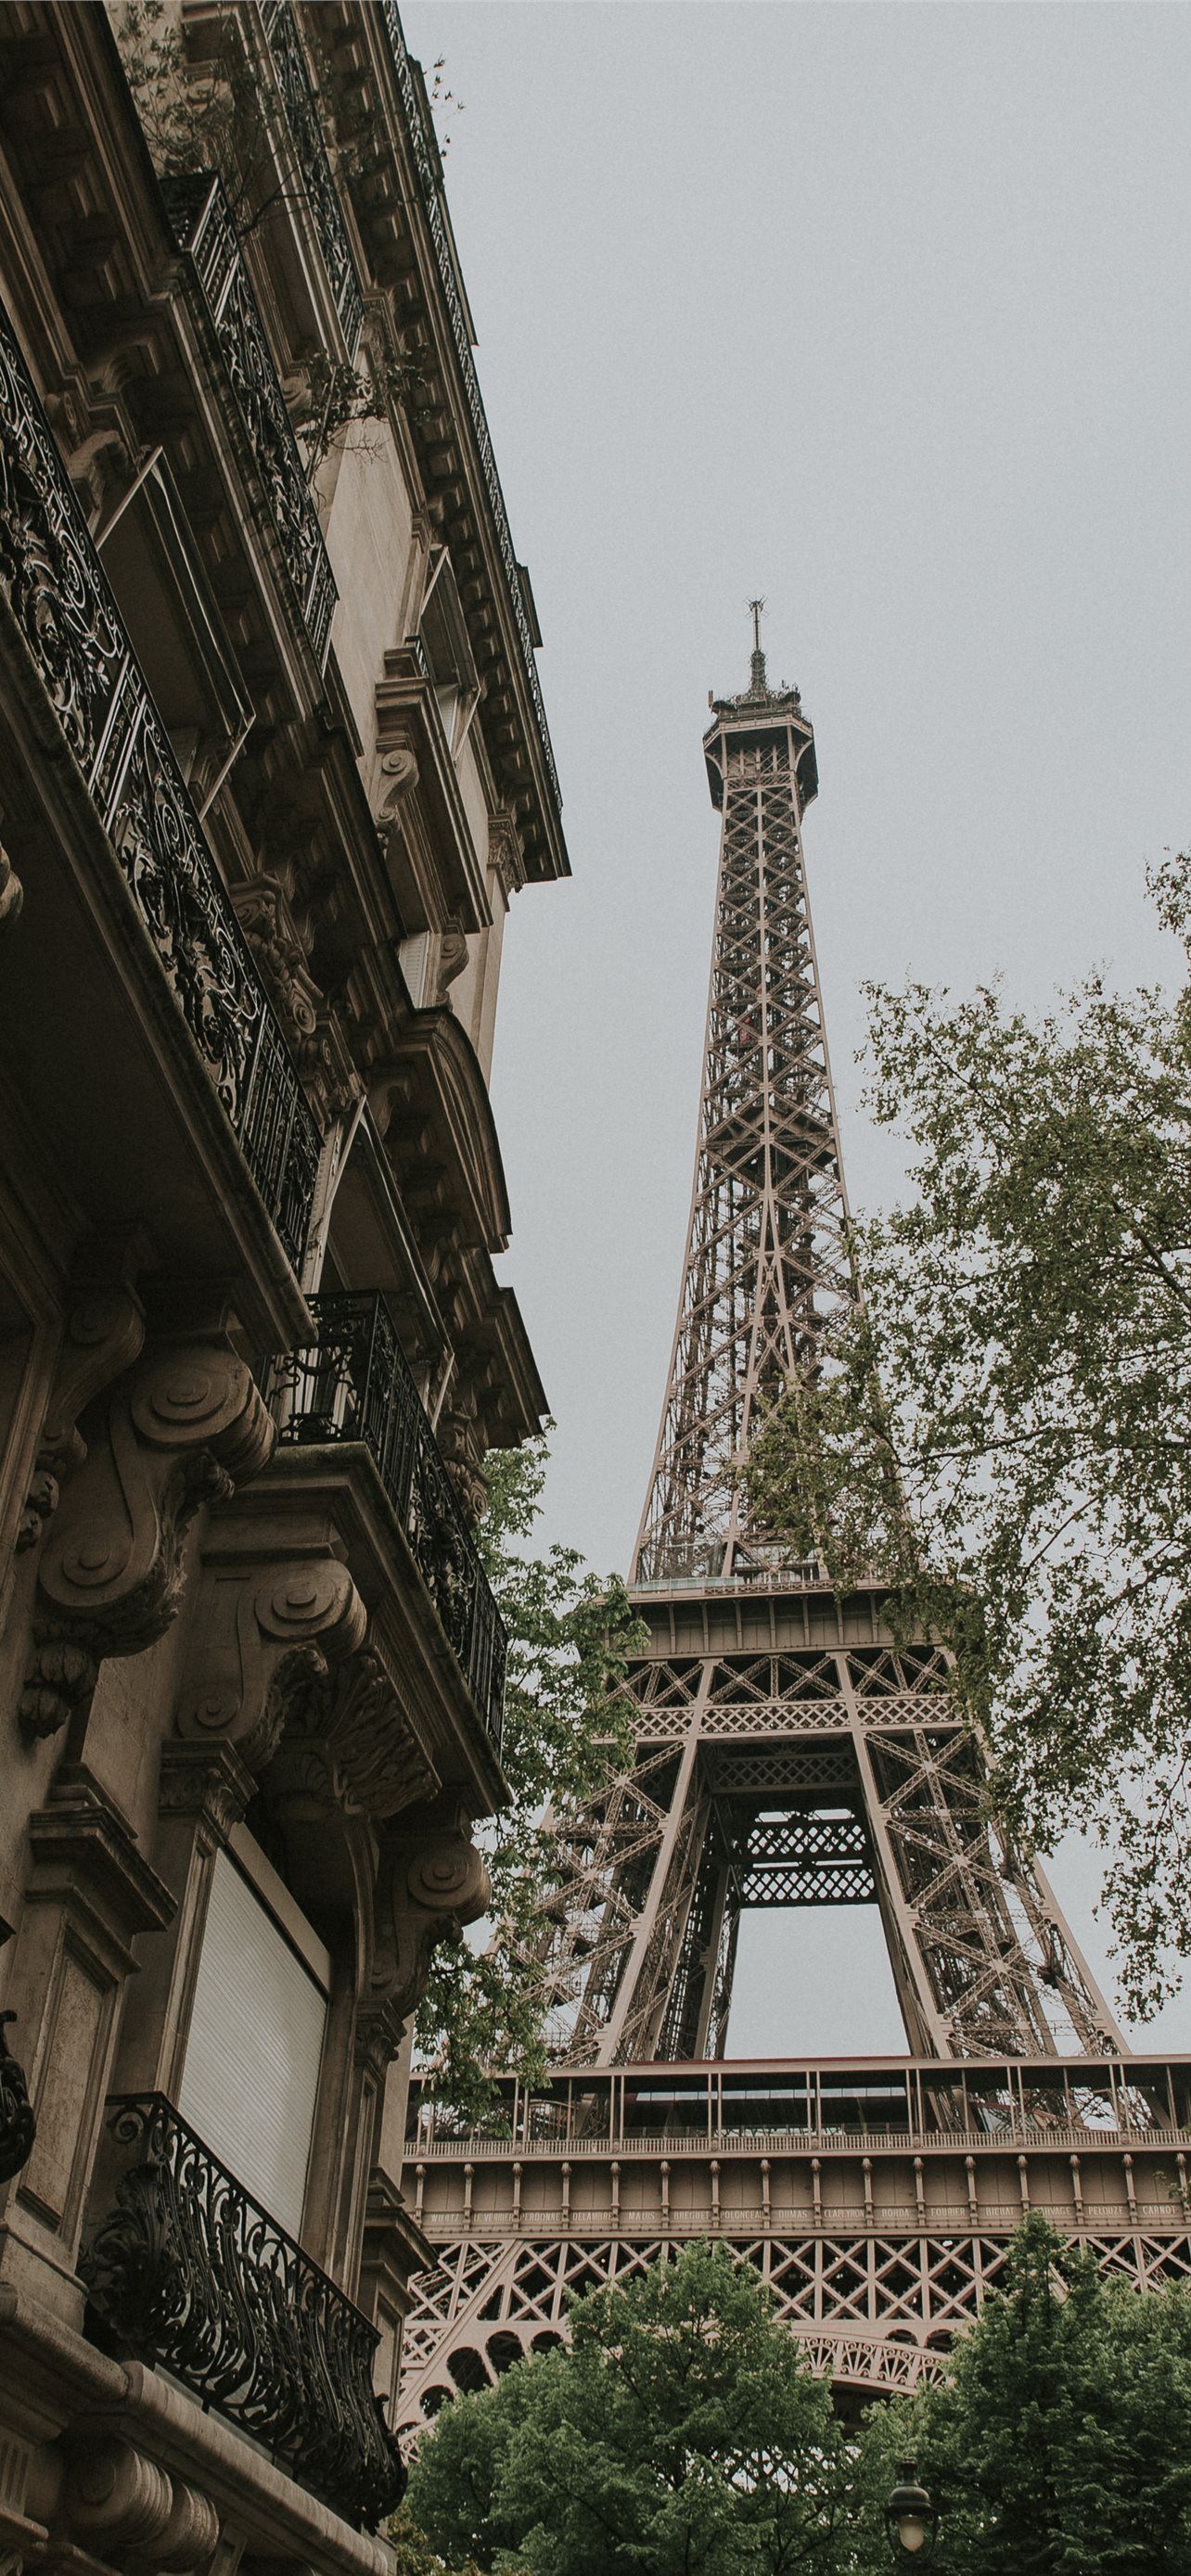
{"points": [[788, 1752]]}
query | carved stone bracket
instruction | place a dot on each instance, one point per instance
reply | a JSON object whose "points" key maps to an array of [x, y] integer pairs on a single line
{"points": [[261, 1633], [12, 892], [505, 851], [104, 1334], [281, 948], [355, 1744], [127, 2511], [432, 1881], [179, 1430]]}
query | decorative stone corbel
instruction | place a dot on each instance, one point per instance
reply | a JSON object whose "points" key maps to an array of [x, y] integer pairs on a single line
{"points": [[432, 1881], [260, 1634], [131, 2513], [450, 960], [458, 1435], [350, 1740], [399, 770], [179, 1430], [105, 1330], [505, 851], [281, 951], [12, 892]]}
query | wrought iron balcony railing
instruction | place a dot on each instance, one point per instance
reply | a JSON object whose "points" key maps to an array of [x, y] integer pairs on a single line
{"points": [[316, 177], [64, 606], [202, 225], [424, 164], [355, 1383], [188, 2272]]}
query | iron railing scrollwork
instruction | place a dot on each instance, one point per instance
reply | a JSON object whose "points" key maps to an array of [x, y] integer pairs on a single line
{"points": [[188, 2272], [314, 168], [18, 2128], [63, 604], [424, 164], [355, 1383], [202, 226]]}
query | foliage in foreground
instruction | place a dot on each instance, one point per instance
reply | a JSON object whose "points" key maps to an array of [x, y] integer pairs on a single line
{"points": [[683, 2435], [1004, 1429], [570, 1638], [1060, 2442]]}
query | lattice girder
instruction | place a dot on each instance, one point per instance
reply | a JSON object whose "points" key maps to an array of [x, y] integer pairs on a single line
{"points": [[767, 1261], [643, 1925], [876, 2197], [787, 1749]]}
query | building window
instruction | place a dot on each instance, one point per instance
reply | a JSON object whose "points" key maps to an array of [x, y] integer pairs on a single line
{"points": [[257, 2027]]}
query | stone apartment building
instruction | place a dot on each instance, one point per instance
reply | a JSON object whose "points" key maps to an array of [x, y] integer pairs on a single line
{"points": [[273, 762]]}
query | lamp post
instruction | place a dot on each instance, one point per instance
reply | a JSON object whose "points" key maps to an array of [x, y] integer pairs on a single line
{"points": [[911, 2520]]}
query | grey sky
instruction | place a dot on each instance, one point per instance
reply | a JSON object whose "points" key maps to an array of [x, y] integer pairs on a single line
{"points": [[884, 312]]}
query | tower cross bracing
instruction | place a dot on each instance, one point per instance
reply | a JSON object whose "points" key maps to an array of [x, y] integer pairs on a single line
{"points": [[788, 1751]]}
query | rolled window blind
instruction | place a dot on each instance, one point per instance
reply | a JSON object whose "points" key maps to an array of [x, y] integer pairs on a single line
{"points": [[250, 2079]]}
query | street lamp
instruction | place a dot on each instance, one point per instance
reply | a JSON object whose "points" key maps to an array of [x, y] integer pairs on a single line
{"points": [[910, 2518]]}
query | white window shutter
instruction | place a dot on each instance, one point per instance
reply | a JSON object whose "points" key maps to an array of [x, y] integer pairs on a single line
{"points": [[250, 2079]]}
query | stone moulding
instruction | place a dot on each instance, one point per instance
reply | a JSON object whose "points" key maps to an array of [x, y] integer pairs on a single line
{"points": [[423, 159], [188, 2272], [67, 615]]}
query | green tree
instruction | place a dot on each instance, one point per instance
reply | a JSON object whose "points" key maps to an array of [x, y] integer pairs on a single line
{"points": [[1003, 1430], [1060, 2442], [682, 2434], [412, 2554], [566, 1716]]}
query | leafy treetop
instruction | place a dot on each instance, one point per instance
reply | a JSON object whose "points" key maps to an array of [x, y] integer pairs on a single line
{"points": [[1002, 1429], [682, 2433], [566, 1717]]}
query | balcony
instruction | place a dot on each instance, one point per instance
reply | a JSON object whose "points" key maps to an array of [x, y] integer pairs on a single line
{"points": [[188, 2272], [66, 612], [202, 227], [355, 1383], [310, 156]]}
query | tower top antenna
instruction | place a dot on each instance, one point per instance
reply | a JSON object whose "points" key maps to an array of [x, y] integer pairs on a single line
{"points": [[757, 679]]}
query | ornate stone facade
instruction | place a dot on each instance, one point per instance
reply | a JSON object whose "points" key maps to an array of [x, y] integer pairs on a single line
{"points": [[270, 785]]}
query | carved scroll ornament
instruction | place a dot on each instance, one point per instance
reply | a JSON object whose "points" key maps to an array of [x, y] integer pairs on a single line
{"points": [[104, 1333], [12, 892], [261, 1632], [180, 1428], [432, 1882], [354, 1743], [123, 2506]]}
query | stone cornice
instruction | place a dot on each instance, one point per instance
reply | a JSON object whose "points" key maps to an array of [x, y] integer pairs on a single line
{"points": [[405, 228]]}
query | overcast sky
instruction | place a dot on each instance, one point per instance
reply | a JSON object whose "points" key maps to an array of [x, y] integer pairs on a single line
{"points": [[881, 311]]}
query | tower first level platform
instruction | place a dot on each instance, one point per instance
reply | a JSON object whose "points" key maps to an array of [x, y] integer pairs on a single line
{"points": [[876, 2196], [789, 1752]]}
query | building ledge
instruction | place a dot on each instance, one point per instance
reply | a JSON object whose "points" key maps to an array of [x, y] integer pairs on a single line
{"points": [[53, 2381]]}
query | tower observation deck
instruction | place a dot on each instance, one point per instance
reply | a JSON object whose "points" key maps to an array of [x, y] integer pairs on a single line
{"points": [[788, 1752]]}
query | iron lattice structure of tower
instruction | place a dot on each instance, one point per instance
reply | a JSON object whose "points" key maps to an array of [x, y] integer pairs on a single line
{"points": [[788, 1752]]}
